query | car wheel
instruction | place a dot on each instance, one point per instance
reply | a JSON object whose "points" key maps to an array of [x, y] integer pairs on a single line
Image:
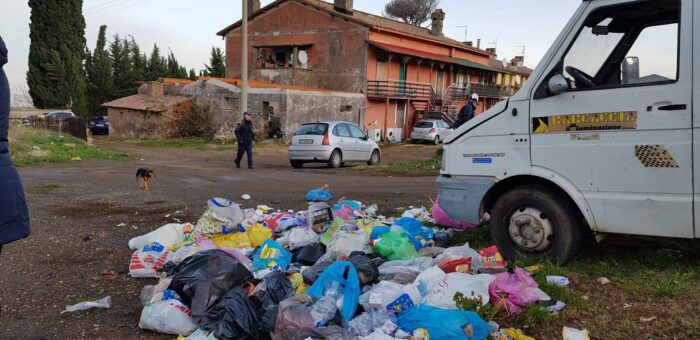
{"points": [[375, 158], [296, 164], [436, 141], [536, 222], [336, 159]]}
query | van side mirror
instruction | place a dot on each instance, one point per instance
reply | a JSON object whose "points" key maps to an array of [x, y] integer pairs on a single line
{"points": [[558, 84], [630, 70]]}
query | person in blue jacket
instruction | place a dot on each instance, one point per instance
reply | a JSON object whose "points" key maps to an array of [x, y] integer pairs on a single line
{"points": [[246, 137], [14, 217]]}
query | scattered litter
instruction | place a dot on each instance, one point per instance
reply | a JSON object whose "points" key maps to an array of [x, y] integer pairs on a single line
{"points": [[121, 224], [557, 280], [649, 319], [603, 280], [556, 307], [626, 305], [335, 270], [569, 333], [105, 302], [108, 272], [76, 158]]}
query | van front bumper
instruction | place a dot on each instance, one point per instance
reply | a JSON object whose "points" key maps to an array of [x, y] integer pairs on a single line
{"points": [[461, 198]]}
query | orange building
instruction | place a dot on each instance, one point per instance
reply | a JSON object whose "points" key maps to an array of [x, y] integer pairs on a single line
{"points": [[405, 71]]}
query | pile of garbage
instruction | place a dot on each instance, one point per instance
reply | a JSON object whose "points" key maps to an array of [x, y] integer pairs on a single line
{"points": [[330, 272]]}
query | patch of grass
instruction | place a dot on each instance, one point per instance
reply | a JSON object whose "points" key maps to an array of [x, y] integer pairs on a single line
{"points": [[29, 146], [477, 238], [536, 315], [432, 164], [42, 189], [188, 143]]}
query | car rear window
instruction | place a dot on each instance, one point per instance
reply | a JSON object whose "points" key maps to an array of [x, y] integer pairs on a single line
{"points": [[424, 125], [317, 129]]}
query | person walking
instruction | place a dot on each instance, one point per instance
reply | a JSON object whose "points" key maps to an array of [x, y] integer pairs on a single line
{"points": [[466, 113], [245, 137], [14, 216]]}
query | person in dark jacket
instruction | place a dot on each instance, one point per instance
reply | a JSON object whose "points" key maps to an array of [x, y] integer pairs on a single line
{"points": [[245, 137], [466, 113], [14, 217]]}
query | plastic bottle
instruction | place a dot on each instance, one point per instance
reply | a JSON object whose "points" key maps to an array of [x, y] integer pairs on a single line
{"points": [[325, 308]]}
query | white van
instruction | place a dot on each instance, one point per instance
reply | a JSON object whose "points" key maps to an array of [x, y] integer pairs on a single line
{"points": [[602, 137]]}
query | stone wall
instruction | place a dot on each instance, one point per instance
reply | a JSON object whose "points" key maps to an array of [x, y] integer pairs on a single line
{"points": [[139, 124]]}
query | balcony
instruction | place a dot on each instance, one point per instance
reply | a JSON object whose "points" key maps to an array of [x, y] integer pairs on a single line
{"points": [[400, 89]]}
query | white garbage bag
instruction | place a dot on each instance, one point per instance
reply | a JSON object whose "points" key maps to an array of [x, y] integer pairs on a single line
{"points": [[440, 289], [391, 297], [167, 235], [168, 315]]}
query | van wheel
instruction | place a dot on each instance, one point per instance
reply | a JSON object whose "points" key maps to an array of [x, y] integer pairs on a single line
{"points": [[436, 141], [375, 158], [296, 164], [536, 222], [336, 159]]}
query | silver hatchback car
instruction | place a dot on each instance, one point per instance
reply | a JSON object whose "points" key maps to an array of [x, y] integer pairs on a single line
{"points": [[334, 143]]}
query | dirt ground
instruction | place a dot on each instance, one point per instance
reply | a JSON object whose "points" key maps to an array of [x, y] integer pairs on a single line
{"points": [[84, 213]]}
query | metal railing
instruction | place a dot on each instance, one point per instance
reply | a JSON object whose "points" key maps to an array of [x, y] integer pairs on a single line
{"points": [[400, 89]]}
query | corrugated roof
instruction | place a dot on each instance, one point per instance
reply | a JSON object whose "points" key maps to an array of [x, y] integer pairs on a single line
{"points": [[367, 19], [431, 56], [144, 103]]}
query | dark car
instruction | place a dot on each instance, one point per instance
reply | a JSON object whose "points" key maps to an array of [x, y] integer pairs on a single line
{"points": [[100, 126]]}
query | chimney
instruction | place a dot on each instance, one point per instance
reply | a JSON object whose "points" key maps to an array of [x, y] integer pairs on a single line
{"points": [[491, 50], [154, 90], [253, 6], [343, 6], [438, 18], [478, 43]]}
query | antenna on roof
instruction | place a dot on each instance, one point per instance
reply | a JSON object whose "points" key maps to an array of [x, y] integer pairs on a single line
{"points": [[466, 30], [494, 43], [522, 50]]}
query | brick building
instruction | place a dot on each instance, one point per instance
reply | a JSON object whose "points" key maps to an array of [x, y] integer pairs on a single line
{"points": [[402, 70]]}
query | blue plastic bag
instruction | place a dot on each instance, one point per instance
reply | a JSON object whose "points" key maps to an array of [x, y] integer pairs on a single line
{"points": [[415, 231], [444, 323], [344, 273], [378, 231], [269, 254], [319, 195]]}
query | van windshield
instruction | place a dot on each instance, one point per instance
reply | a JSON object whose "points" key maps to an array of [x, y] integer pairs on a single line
{"points": [[317, 129]]}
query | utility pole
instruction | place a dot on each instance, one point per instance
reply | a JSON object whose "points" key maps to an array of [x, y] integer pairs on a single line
{"points": [[244, 59]]}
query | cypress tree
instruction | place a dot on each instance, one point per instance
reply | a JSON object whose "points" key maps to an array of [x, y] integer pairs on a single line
{"points": [[122, 68], [98, 67], [217, 66], [138, 61], [155, 67], [56, 75], [193, 75]]}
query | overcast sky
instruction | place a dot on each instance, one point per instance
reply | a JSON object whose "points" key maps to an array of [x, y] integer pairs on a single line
{"points": [[189, 27]]}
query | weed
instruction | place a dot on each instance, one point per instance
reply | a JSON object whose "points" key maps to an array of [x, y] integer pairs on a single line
{"points": [[432, 164], [536, 315], [475, 304], [477, 238]]}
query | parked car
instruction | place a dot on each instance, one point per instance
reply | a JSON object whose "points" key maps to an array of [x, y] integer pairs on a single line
{"points": [[100, 126], [432, 130], [58, 115], [334, 143]]}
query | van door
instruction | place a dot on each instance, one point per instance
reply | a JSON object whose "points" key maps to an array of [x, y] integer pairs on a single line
{"points": [[622, 133]]}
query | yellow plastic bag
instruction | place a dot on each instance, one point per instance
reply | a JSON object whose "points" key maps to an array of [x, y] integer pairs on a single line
{"points": [[517, 334], [258, 234], [367, 224], [298, 284], [232, 240]]}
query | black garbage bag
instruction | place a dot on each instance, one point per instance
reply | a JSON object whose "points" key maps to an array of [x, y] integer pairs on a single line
{"points": [[232, 317], [311, 274], [443, 237], [308, 255], [266, 298], [203, 278], [367, 270]]}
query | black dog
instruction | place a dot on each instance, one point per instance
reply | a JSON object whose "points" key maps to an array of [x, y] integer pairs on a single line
{"points": [[143, 176]]}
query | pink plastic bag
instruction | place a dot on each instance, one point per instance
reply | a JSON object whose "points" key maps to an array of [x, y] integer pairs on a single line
{"points": [[441, 218], [513, 292], [345, 212]]}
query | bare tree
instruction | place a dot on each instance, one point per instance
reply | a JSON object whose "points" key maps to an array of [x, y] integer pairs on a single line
{"points": [[414, 12], [20, 97]]}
